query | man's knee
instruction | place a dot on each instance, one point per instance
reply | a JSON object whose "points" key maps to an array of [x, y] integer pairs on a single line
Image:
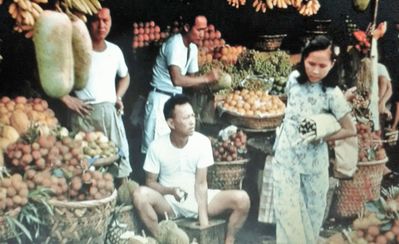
{"points": [[243, 200], [141, 195]]}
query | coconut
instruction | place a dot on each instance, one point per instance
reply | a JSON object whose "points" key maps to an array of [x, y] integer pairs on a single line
{"points": [[125, 191], [169, 233]]}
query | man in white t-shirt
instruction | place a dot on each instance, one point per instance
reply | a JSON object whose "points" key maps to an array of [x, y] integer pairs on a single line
{"points": [[176, 177], [98, 106], [174, 68]]}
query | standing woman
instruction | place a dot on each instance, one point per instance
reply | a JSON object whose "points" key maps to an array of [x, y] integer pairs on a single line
{"points": [[300, 170]]}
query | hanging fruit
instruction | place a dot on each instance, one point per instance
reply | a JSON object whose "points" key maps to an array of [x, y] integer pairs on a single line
{"points": [[361, 5]]}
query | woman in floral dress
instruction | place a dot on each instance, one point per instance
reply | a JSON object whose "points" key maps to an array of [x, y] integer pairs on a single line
{"points": [[300, 169]]}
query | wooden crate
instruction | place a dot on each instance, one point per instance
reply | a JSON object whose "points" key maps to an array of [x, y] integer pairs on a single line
{"points": [[213, 234]]}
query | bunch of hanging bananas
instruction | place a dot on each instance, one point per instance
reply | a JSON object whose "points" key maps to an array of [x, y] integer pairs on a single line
{"points": [[89, 7], [25, 13], [309, 8], [304, 7], [236, 3]]}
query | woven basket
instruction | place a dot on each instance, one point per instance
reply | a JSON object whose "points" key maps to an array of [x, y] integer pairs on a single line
{"points": [[127, 215], [227, 175], [79, 222], [269, 42], [5, 230], [251, 122], [365, 186]]}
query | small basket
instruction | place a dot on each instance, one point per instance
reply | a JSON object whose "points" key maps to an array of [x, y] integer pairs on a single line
{"points": [[227, 175], [251, 122], [6, 232], [269, 42], [365, 186], [79, 222]]}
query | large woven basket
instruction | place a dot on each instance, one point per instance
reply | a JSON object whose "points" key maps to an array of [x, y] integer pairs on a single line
{"points": [[79, 222], [365, 186], [6, 232], [227, 175], [251, 122]]}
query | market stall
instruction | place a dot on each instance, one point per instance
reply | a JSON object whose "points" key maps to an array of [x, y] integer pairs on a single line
{"points": [[54, 185]]}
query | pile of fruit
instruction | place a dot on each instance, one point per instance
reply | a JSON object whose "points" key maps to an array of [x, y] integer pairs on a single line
{"points": [[253, 103], [228, 55], [212, 39], [304, 7], [370, 143], [96, 144], [231, 148], [378, 222], [146, 33]]}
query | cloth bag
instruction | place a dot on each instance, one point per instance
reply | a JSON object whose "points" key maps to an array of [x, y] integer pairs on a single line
{"points": [[346, 157]]}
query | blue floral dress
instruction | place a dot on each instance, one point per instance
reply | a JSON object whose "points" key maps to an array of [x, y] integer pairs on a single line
{"points": [[300, 171]]}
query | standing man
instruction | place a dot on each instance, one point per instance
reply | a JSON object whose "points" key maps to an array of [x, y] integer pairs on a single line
{"points": [[177, 163], [174, 68], [98, 107]]}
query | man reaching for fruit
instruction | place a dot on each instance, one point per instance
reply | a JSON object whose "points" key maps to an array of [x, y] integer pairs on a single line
{"points": [[176, 182], [174, 68]]}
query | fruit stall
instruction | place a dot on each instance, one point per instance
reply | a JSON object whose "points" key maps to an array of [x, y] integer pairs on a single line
{"points": [[57, 186]]}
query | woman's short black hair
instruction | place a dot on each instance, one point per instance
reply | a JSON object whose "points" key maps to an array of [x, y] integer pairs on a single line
{"points": [[319, 43], [171, 103]]}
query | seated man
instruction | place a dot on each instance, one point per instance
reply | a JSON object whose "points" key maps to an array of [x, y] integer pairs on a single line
{"points": [[177, 163]]}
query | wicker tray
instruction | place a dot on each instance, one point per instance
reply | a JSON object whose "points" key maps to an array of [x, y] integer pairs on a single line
{"points": [[251, 122], [5, 230], [79, 222], [365, 186], [227, 175]]}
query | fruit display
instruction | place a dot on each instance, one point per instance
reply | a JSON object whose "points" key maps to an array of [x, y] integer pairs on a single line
{"points": [[231, 148], [253, 103], [27, 12], [145, 33], [22, 113], [377, 222], [13, 193], [266, 71], [304, 7], [96, 144], [212, 39], [370, 144]]}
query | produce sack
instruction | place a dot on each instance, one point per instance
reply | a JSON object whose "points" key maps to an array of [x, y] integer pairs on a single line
{"points": [[361, 5], [346, 157]]}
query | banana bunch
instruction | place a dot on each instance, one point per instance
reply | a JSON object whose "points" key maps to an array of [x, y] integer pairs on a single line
{"points": [[89, 7], [263, 5], [236, 3], [309, 8], [25, 13]]}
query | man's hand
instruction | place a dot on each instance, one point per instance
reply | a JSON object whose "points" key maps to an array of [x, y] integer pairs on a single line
{"points": [[76, 105], [213, 75], [179, 194], [119, 105]]}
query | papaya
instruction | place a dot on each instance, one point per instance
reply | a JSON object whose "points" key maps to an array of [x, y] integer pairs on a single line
{"points": [[81, 48], [52, 39], [361, 5]]}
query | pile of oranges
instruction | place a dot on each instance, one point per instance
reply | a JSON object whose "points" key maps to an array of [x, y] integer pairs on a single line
{"points": [[253, 103]]}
